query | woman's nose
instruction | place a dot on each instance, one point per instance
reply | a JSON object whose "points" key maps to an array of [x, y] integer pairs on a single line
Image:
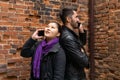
{"points": [[48, 28]]}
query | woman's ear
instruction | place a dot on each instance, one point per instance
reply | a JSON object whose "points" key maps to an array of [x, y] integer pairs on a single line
{"points": [[58, 34]]}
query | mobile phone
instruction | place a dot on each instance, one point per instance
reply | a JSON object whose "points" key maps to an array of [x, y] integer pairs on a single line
{"points": [[41, 33], [79, 24]]}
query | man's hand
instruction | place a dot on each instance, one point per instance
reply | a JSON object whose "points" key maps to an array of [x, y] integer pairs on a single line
{"points": [[81, 28]]}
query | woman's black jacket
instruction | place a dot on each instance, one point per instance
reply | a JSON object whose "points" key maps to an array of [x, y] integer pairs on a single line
{"points": [[52, 64]]}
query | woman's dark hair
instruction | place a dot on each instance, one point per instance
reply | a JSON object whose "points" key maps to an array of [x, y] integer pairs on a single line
{"points": [[65, 13], [59, 27]]}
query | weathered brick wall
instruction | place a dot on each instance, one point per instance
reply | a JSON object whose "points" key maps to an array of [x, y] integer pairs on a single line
{"points": [[107, 39], [18, 19]]}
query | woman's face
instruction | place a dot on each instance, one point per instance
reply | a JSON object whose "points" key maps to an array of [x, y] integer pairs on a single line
{"points": [[51, 31]]}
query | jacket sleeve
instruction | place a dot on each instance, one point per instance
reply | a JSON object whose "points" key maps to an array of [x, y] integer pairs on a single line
{"points": [[83, 37], [73, 50], [27, 49], [59, 65]]}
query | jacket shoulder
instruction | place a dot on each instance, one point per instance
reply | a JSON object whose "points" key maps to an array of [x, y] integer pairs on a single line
{"points": [[66, 35]]}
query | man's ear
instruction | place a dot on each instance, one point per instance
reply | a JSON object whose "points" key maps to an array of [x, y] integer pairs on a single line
{"points": [[68, 19]]}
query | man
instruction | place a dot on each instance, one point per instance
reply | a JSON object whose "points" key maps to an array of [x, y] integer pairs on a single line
{"points": [[77, 59]]}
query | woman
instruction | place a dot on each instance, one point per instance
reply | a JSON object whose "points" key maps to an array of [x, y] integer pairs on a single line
{"points": [[48, 58]]}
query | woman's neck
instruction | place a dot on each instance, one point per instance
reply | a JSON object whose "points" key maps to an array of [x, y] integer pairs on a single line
{"points": [[48, 39]]}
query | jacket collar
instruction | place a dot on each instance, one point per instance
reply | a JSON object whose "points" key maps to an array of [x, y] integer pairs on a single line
{"points": [[66, 28], [55, 48]]}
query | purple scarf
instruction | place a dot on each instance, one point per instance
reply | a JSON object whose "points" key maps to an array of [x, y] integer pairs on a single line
{"points": [[43, 48]]}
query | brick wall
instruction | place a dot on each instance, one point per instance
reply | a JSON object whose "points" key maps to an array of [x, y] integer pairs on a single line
{"points": [[18, 19], [107, 38]]}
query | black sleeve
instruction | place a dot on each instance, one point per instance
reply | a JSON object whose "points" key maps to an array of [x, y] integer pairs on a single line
{"points": [[73, 50], [27, 49], [83, 37], [59, 65]]}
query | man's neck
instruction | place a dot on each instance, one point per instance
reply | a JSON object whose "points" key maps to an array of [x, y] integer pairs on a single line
{"points": [[69, 26]]}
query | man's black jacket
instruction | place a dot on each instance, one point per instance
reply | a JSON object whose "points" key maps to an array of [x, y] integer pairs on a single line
{"points": [[76, 59]]}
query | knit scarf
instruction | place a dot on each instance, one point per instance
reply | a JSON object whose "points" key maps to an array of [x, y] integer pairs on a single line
{"points": [[42, 48]]}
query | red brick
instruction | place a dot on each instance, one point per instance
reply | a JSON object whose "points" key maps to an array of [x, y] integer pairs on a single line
{"points": [[21, 24], [3, 51], [9, 56], [18, 2], [13, 19], [6, 23], [19, 11], [6, 46], [10, 78], [29, 3], [20, 6], [4, 18], [21, 19], [1, 46], [11, 9], [13, 72], [5, 5], [2, 56]]}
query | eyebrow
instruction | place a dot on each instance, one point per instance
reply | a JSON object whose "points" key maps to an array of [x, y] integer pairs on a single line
{"points": [[77, 16]]}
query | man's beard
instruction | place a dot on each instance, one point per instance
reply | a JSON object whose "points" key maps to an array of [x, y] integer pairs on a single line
{"points": [[74, 25]]}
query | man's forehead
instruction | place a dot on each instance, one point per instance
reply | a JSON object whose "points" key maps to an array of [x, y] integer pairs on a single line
{"points": [[75, 13]]}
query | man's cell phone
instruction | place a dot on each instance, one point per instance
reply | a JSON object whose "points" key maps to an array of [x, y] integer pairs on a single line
{"points": [[79, 24], [41, 33]]}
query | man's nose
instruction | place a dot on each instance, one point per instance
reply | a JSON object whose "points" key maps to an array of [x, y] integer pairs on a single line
{"points": [[78, 20]]}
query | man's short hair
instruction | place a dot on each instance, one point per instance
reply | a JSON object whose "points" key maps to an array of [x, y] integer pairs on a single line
{"points": [[66, 12]]}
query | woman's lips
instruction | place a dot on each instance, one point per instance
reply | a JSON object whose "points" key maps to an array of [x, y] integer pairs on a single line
{"points": [[47, 32]]}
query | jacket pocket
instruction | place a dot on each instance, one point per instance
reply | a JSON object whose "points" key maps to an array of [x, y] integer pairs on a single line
{"points": [[48, 76]]}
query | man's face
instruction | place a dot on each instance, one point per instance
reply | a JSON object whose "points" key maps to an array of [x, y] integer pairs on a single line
{"points": [[74, 20]]}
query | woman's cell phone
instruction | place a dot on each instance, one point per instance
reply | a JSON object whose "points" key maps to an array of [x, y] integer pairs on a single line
{"points": [[41, 33]]}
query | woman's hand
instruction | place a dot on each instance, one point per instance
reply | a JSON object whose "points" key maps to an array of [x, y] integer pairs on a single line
{"points": [[35, 35]]}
